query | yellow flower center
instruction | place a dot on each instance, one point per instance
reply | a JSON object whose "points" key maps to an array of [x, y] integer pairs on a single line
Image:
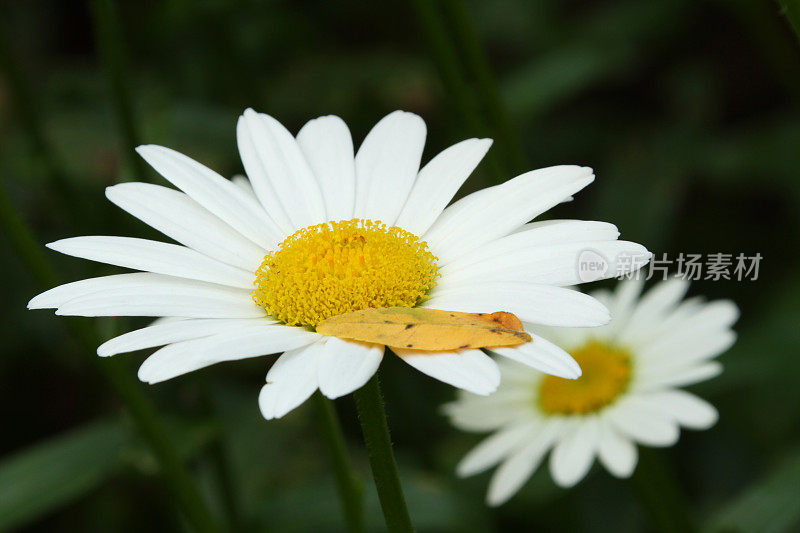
{"points": [[337, 267], [606, 375]]}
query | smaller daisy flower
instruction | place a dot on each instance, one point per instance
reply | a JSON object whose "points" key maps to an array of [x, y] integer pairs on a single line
{"points": [[628, 393]]}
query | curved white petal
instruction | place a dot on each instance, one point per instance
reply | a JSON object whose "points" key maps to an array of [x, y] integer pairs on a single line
{"points": [[689, 410], [243, 183], [653, 307], [643, 423], [58, 296], [542, 355], [345, 366], [573, 455], [221, 197], [328, 148], [495, 448], [516, 470], [438, 182], [179, 217], [167, 332], [497, 211], [154, 256], [471, 370], [486, 413], [617, 453], [558, 264], [278, 170], [387, 163], [165, 296], [290, 381], [531, 302], [240, 343], [680, 377]]}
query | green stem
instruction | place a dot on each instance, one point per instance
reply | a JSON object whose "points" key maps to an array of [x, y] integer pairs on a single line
{"points": [[372, 416], [111, 47], [477, 64], [446, 59], [116, 372], [348, 482], [660, 493]]}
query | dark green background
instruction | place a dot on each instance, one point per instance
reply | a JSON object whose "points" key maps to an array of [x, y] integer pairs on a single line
{"points": [[688, 112]]}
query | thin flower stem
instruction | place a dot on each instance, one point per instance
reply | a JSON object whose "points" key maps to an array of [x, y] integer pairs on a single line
{"points": [[477, 64], [111, 47], [117, 373], [372, 416], [447, 63], [348, 482], [660, 494]]}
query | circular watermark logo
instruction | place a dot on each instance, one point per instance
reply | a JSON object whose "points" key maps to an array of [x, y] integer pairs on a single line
{"points": [[592, 266]]}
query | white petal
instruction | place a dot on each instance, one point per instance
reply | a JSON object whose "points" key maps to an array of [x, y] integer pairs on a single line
{"points": [[516, 470], [58, 296], [548, 265], [345, 366], [240, 343], [538, 235], [480, 413], [162, 333], [622, 303], [215, 193], [643, 423], [243, 183], [543, 356], [278, 170], [387, 164], [497, 211], [471, 370], [290, 381], [573, 455], [179, 217], [617, 453], [653, 307], [681, 377], [531, 302], [153, 256], [328, 148], [668, 355], [438, 182], [495, 448], [689, 410], [165, 296]]}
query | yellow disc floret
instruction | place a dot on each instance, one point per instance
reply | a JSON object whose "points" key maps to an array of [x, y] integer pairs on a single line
{"points": [[337, 267], [606, 375]]}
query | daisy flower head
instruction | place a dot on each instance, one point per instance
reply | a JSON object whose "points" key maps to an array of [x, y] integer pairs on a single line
{"points": [[629, 391], [318, 229]]}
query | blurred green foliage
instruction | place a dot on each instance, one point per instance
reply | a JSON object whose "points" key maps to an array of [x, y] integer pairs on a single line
{"points": [[688, 111]]}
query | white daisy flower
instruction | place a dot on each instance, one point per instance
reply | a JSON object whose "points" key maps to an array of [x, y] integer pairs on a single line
{"points": [[315, 231], [628, 393]]}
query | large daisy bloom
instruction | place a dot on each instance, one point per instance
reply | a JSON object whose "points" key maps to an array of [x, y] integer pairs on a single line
{"points": [[317, 230], [629, 392]]}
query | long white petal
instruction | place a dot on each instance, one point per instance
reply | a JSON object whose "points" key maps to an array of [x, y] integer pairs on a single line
{"points": [[559, 265], [470, 370], [154, 256], [495, 448], [220, 196], [165, 296], [531, 302], [653, 307], [290, 381], [543, 356], [58, 296], [681, 377], [617, 453], [573, 455], [643, 423], [278, 170], [438, 182], [345, 366], [516, 470], [497, 211], [387, 163], [240, 343], [689, 410], [164, 333], [328, 148], [179, 217]]}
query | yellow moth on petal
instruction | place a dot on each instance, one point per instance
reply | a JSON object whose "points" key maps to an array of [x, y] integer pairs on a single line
{"points": [[426, 329]]}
